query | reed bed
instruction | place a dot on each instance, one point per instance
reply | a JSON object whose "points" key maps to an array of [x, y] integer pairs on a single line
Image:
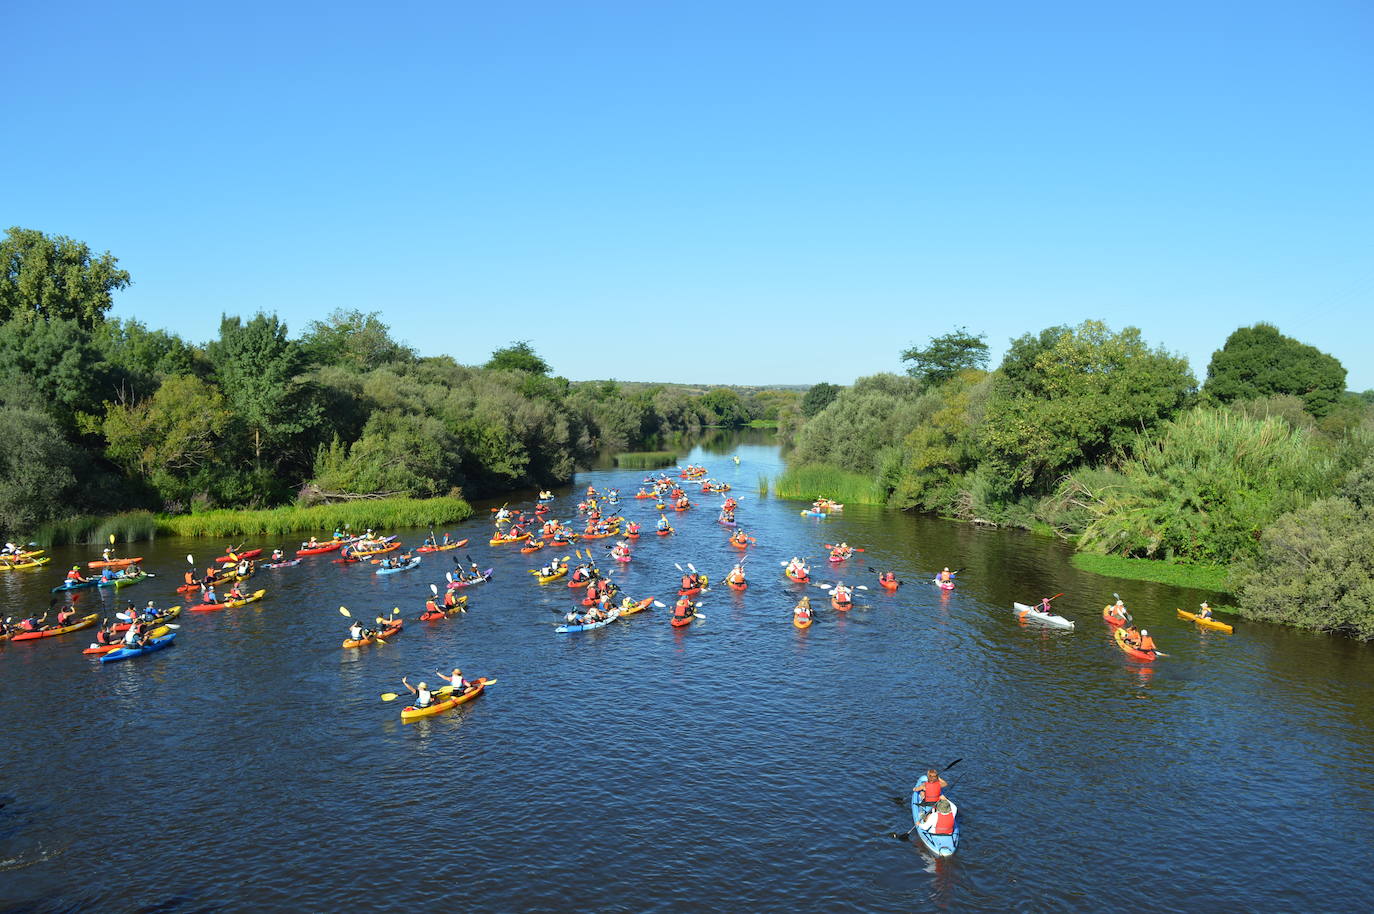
{"points": [[645, 460], [818, 480], [87, 529], [378, 514]]}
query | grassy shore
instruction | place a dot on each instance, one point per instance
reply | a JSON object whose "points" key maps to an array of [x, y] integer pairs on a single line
{"points": [[645, 460], [379, 514], [1200, 577], [819, 481]]}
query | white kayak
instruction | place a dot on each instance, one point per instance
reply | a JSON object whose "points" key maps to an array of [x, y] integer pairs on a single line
{"points": [[1030, 612]]}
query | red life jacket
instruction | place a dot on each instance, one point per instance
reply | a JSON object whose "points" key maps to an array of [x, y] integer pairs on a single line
{"points": [[944, 823], [930, 791], [686, 582]]}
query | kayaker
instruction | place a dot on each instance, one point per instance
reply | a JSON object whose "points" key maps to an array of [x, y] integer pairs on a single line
{"points": [[945, 576], [190, 577], [338, 534], [313, 544], [1119, 610], [106, 634], [136, 636], [843, 594], [931, 787], [1131, 634], [234, 592], [74, 576], [1146, 643], [1045, 606], [736, 575], [689, 582], [455, 680], [107, 575], [450, 599], [683, 608], [149, 611], [422, 694], [106, 554], [1204, 611], [65, 615], [940, 820], [887, 577], [209, 596], [803, 609], [663, 522], [278, 555], [33, 625], [356, 632]]}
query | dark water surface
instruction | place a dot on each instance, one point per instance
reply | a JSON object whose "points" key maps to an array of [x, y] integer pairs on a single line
{"points": [[738, 764]]}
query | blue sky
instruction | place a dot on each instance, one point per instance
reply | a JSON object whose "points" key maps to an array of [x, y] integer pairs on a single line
{"points": [[711, 192]]}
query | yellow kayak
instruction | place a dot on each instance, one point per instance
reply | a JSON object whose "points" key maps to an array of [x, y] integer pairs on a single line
{"points": [[546, 578], [27, 563], [1205, 623]]}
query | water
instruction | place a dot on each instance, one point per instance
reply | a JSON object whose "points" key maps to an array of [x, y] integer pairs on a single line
{"points": [[736, 764]]}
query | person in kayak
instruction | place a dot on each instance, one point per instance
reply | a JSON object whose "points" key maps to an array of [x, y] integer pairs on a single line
{"points": [[422, 694], [684, 608], [940, 819], [1145, 642], [944, 577], [1204, 611], [663, 522], [803, 609], [931, 787], [278, 555], [356, 632], [456, 682], [137, 635], [1132, 635], [65, 615], [736, 575], [209, 596], [31, 624], [1045, 606], [105, 634], [149, 611], [450, 599], [74, 576], [234, 593], [1119, 611], [887, 577], [843, 594]]}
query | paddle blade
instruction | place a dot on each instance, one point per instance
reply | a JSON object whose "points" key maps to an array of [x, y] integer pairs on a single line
{"points": [[112, 539], [658, 604], [389, 696], [434, 589], [343, 611], [190, 560]]}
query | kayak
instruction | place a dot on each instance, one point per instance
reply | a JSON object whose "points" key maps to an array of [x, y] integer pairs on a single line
{"points": [[681, 507], [600, 536], [106, 648], [738, 544], [85, 622], [588, 626], [688, 592], [636, 607], [1110, 618], [430, 547], [621, 558], [632, 535], [449, 700], [1205, 623], [801, 621], [742, 585], [500, 540], [168, 616], [1129, 651], [125, 653], [943, 585], [390, 630], [541, 509], [889, 585], [282, 564], [75, 585], [443, 612], [841, 605], [227, 578], [1025, 612], [664, 532], [406, 567], [381, 550], [548, 578], [30, 563], [486, 576], [680, 621], [814, 514], [114, 563], [253, 597], [839, 558], [129, 581], [238, 556], [939, 845], [728, 523], [534, 546], [321, 549], [800, 579]]}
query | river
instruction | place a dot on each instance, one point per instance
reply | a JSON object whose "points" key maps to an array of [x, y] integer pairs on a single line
{"points": [[738, 764]]}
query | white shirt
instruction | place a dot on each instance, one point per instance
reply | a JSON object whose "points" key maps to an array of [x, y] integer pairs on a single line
{"points": [[928, 822], [131, 636]]}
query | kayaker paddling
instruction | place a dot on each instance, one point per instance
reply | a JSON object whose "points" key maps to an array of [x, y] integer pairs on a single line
{"points": [[456, 681], [422, 694], [1204, 611], [940, 819], [931, 787]]}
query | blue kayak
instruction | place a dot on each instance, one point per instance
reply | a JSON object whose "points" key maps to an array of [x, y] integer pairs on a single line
{"points": [[814, 514], [75, 585], [124, 653], [939, 845], [588, 626], [406, 567], [728, 523]]}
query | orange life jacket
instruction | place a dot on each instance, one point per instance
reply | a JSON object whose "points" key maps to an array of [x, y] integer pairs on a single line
{"points": [[431, 606], [930, 791], [944, 823], [686, 582], [1146, 644], [682, 607]]}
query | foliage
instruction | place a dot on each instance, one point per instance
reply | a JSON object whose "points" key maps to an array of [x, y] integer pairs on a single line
{"points": [[942, 449], [645, 460], [52, 365], [1202, 487], [359, 341], [947, 356], [139, 358], [863, 426], [1260, 361], [1315, 569], [55, 278], [518, 356], [398, 454], [818, 397], [38, 469], [376, 513], [724, 407], [812, 481], [1072, 395], [89, 529], [1215, 578]]}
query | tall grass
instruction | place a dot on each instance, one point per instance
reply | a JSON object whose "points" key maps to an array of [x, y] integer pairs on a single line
{"points": [[763, 484], [85, 529], [818, 480], [379, 514], [645, 460], [1200, 577]]}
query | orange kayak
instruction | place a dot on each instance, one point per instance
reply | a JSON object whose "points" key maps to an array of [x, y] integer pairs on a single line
{"points": [[384, 634], [443, 704]]}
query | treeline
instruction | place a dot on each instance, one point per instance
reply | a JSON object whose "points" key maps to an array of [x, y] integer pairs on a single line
{"points": [[101, 415], [1098, 437]]}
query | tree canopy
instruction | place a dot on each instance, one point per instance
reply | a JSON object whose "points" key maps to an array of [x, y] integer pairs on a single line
{"points": [[1260, 361], [818, 397], [518, 356], [55, 278], [946, 356]]}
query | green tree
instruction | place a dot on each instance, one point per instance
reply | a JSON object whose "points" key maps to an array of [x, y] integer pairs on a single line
{"points": [[725, 407], [518, 356], [140, 358], [53, 365], [47, 278], [1072, 395], [170, 438], [818, 397], [38, 470], [258, 369], [353, 339], [946, 356], [1260, 361]]}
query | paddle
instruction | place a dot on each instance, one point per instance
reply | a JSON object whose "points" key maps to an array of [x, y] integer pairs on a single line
{"points": [[445, 690]]}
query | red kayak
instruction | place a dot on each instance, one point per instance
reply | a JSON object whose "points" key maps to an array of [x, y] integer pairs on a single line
{"points": [[250, 554], [689, 592], [317, 550], [889, 585], [680, 621]]}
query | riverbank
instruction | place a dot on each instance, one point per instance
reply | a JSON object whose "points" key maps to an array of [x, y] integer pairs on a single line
{"points": [[139, 526], [1198, 577]]}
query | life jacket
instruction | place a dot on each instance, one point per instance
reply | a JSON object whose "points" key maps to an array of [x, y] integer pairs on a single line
{"points": [[944, 823], [431, 606], [422, 698], [449, 599], [930, 791], [682, 608], [73, 575], [687, 583], [1146, 644], [190, 577]]}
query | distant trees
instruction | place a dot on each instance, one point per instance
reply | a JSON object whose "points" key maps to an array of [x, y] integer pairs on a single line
{"points": [[1260, 361], [818, 397], [55, 278], [946, 356], [518, 356]]}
